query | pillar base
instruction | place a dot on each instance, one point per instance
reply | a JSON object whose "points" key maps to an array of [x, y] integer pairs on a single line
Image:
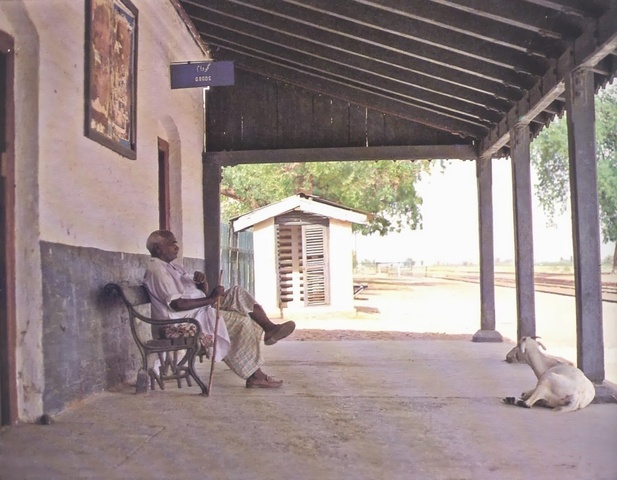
{"points": [[487, 336], [606, 392]]}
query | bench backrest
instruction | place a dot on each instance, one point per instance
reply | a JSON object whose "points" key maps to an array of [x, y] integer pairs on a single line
{"points": [[134, 296]]}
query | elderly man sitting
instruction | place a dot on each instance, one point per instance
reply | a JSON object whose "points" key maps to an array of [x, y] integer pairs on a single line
{"points": [[174, 293]]}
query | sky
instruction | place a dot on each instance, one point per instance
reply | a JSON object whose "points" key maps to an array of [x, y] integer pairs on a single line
{"points": [[450, 223]]}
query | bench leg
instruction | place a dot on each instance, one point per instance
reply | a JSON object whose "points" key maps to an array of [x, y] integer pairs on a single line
{"points": [[177, 370], [183, 372], [155, 378], [192, 353], [172, 370], [141, 386]]}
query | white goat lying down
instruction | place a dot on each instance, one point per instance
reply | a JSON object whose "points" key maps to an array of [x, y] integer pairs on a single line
{"points": [[560, 386], [516, 356]]}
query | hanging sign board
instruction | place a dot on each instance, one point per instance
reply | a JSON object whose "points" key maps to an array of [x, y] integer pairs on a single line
{"points": [[201, 74]]}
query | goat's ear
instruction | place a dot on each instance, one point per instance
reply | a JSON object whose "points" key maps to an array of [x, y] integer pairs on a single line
{"points": [[541, 344], [521, 344]]}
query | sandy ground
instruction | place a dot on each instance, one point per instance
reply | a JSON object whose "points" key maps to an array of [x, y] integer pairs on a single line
{"points": [[433, 308], [394, 311]]}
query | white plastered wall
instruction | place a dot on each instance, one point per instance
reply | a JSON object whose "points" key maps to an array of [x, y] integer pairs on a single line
{"points": [[341, 265], [264, 244], [73, 191], [89, 194]]}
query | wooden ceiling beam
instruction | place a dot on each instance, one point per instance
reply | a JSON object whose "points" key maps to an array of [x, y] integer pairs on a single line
{"points": [[470, 24], [459, 84], [298, 25], [349, 154], [351, 17], [589, 49], [226, 39], [533, 17], [570, 7], [364, 79]]}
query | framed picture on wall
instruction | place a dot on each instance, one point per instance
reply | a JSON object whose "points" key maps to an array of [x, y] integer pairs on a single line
{"points": [[110, 77]]}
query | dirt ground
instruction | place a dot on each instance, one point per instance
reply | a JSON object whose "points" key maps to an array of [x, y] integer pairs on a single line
{"points": [[402, 309], [338, 335], [369, 321]]}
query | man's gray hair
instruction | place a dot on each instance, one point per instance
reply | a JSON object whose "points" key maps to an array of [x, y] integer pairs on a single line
{"points": [[156, 238]]}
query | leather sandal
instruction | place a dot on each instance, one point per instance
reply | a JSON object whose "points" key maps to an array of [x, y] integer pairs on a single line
{"points": [[268, 382], [281, 331]]}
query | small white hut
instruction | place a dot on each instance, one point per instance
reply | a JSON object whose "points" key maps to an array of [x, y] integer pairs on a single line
{"points": [[303, 253]]}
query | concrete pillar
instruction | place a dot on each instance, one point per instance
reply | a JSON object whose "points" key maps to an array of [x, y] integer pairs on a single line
{"points": [[523, 230], [212, 222], [585, 223], [487, 332]]}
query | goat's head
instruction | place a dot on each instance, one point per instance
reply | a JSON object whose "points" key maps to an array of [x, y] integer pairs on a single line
{"points": [[530, 342]]}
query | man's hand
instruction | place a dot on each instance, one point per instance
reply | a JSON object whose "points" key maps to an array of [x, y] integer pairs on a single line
{"points": [[200, 281], [218, 292], [199, 278]]}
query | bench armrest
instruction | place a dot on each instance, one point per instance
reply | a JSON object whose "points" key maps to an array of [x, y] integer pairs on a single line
{"points": [[140, 295]]}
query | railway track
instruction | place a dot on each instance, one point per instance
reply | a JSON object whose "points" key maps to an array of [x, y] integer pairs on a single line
{"points": [[546, 283], [543, 283]]}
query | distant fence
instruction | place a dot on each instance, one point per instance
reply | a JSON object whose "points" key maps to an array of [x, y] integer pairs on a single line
{"points": [[237, 256]]}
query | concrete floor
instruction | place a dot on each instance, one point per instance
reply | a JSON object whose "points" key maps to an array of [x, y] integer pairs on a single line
{"points": [[417, 409], [354, 409]]}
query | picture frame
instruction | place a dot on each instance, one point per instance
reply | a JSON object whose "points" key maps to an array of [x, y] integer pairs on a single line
{"points": [[111, 75]]}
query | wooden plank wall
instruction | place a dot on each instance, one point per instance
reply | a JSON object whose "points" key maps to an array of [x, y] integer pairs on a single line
{"points": [[259, 114]]}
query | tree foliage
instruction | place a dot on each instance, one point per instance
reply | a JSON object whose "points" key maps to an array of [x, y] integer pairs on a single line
{"points": [[606, 127], [550, 159], [385, 189]]}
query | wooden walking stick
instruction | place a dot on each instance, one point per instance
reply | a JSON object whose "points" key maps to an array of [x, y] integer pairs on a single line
{"points": [[216, 328]]}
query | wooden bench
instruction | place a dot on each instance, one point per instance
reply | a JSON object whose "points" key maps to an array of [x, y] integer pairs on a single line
{"points": [[166, 348]]}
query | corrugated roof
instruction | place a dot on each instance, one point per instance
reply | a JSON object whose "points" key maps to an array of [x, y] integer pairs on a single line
{"points": [[302, 203]]}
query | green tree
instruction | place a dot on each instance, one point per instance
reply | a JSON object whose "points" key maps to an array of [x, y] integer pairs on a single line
{"points": [[550, 159], [385, 189]]}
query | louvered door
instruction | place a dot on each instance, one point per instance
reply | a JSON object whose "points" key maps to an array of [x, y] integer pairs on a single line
{"points": [[314, 259], [290, 268], [302, 261]]}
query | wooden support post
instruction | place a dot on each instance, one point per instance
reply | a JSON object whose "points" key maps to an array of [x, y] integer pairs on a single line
{"points": [[212, 222], [585, 223], [523, 231], [487, 332]]}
